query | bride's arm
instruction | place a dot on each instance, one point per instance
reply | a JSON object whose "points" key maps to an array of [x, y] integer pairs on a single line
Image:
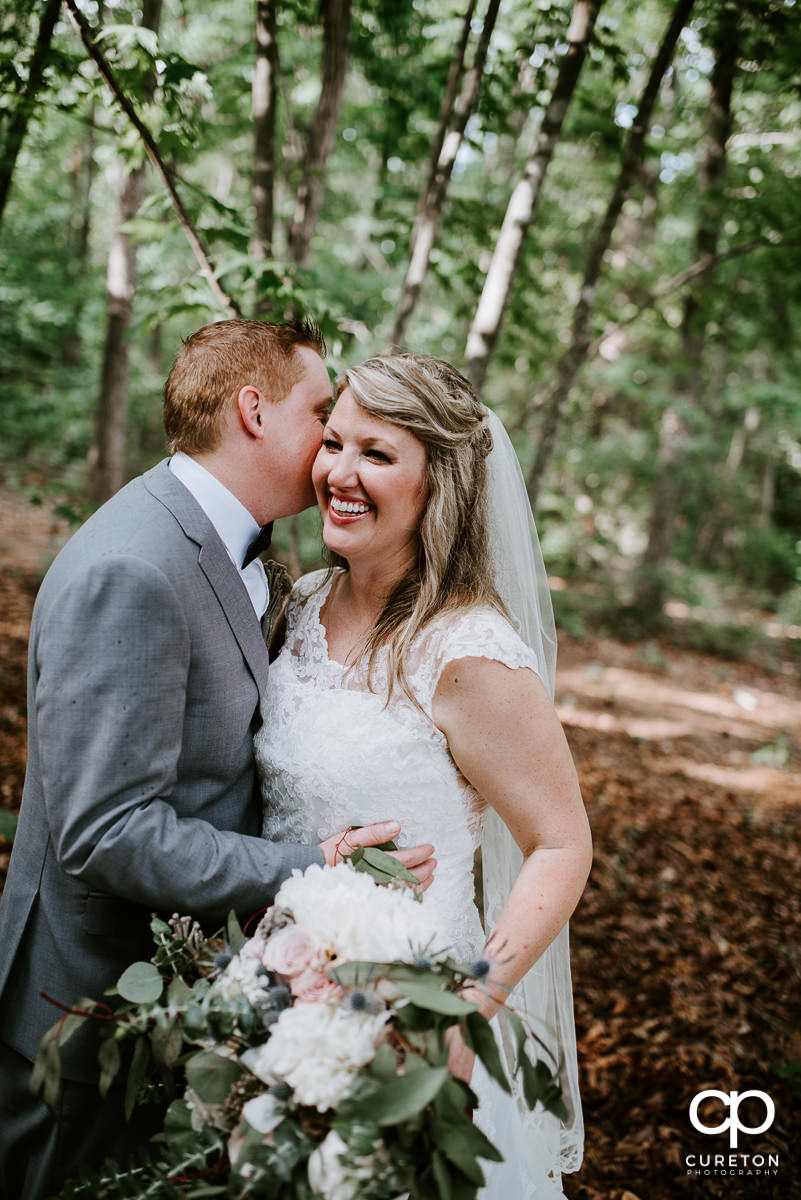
{"points": [[505, 737]]}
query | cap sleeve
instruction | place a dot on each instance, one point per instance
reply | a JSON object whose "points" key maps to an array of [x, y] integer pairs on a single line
{"points": [[471, 633], [305, 587]]}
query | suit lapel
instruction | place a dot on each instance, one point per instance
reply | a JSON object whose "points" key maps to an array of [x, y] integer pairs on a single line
{"points": [[216, 565]]}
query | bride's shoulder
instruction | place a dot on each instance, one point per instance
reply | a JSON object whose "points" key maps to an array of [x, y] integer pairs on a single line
{"points": [[478, 631]]}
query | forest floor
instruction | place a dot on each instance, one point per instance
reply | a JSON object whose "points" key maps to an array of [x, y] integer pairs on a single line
{"points": [[687, 943]]}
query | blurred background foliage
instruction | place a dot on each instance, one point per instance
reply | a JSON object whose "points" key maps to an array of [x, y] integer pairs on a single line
{"points": [[669, 485]]}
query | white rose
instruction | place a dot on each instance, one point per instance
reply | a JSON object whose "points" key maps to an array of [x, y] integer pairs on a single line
{"points": [[326, 1175], [332, 901], [241, 978], [317, 1050]]}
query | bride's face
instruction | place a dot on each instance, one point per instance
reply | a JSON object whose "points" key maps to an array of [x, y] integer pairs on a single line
{"points": [[369, 477]]}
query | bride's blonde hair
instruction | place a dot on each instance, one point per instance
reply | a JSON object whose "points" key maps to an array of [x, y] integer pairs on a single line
{"points": [[433, 401]]}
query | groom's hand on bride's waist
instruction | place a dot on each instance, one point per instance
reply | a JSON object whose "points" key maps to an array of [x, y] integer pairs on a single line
{"points": [[417, 859]]}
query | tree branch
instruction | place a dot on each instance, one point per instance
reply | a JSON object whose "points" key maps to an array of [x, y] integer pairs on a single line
{"points": [[708, 263], [87, 36], [18, 123]]}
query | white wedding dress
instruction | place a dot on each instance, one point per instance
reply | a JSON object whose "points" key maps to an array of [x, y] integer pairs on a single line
{"points": [[331, 753]]}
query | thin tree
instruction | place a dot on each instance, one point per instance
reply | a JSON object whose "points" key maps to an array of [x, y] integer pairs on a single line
{"points": [[674, 430], [336, 42], [555, 399], [336, 45], [90, 43], [23, 108], [265, 98], [108, 457], [457, 104], [485, 329]]}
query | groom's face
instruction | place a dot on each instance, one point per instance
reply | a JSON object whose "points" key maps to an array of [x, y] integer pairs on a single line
{"points": [[295, 431]]}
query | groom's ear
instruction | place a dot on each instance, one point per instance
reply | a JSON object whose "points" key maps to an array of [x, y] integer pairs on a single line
{"points": [[250, 402]]}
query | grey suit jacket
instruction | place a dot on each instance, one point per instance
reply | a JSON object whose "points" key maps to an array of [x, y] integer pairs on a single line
{"points": [[146, 667]]}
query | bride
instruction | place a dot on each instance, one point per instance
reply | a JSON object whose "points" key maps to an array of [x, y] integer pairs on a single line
{"points": [[414, 679]]}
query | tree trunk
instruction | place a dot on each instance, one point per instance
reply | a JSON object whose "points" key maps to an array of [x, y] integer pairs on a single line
{"points": [[556, 397], [457, 105], [336, 36], [21, 113], [108, 466], [265, 93], [83, 181], [674, 434], [485, 329]]}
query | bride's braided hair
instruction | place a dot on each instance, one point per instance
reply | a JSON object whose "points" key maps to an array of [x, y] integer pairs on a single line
{"points": [[433, 401]]}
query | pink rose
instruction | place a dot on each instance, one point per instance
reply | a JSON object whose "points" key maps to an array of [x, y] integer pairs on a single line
{"points": [[315, 987], [288, 952], [254, 947]]}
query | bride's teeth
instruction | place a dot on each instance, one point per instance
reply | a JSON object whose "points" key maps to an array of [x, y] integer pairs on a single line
{"points": [[347, 506]]}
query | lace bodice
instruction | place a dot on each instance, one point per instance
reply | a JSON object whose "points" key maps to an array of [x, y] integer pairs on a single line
{"points": [[331, 753]]}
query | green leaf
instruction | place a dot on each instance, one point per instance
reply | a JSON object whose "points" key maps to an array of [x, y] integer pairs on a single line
{"points": [[441, 1176], [167, 1042], [141, 983], [401, 1099], [357, 974], [481, 1039], [234, 935], [109, 1058], [540, 1084], [46, 1075], [427, 992], [385, 1064], [136, 1075], [8, 825], [179, 992], [379, 864], [212, 1076]]}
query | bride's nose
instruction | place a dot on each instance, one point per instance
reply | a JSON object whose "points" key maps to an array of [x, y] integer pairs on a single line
{"points": [[343, 472]]}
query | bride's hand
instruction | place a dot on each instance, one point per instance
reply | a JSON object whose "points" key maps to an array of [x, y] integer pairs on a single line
{"points": [[417, 859], [460, 1057]]}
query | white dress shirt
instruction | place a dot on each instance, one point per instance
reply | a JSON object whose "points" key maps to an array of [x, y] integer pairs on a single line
{"points": [[235, 525]]}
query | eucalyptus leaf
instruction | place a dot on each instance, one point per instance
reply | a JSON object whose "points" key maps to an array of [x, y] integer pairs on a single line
{"points": [[385, 1064], [401, 1099], [46, 1075], [431, 995], [382, 866], [136, 1075], [357, 974], [109, 1059], [167, 1042], [481, 1039], [178, 992], [212, 1076], [441, 1176], [233, 932], [141, 983]]}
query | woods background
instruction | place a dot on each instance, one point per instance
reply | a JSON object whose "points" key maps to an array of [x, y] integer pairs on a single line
{"points": [[593, 209]]}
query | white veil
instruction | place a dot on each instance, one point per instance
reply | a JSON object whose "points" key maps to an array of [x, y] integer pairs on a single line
{"points": [[544, 997]]}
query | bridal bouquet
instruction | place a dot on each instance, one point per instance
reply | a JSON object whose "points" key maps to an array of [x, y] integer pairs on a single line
{"points": [[309, 1060]]}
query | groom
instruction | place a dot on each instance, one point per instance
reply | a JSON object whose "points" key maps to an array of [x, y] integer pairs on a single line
{"points": [[146, 666]]}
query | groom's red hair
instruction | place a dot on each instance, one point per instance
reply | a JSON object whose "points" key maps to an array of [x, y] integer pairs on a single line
{"points": [[217, 361]]}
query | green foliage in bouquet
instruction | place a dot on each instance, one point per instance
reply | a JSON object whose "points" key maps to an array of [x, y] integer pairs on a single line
{"points": [[290, 1064]]}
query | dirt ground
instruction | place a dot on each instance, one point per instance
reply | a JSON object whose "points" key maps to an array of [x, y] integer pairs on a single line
{"points": [[687, 944]]}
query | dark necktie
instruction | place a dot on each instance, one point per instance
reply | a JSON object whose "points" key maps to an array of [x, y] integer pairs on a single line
{"points": [[259, 544]]}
